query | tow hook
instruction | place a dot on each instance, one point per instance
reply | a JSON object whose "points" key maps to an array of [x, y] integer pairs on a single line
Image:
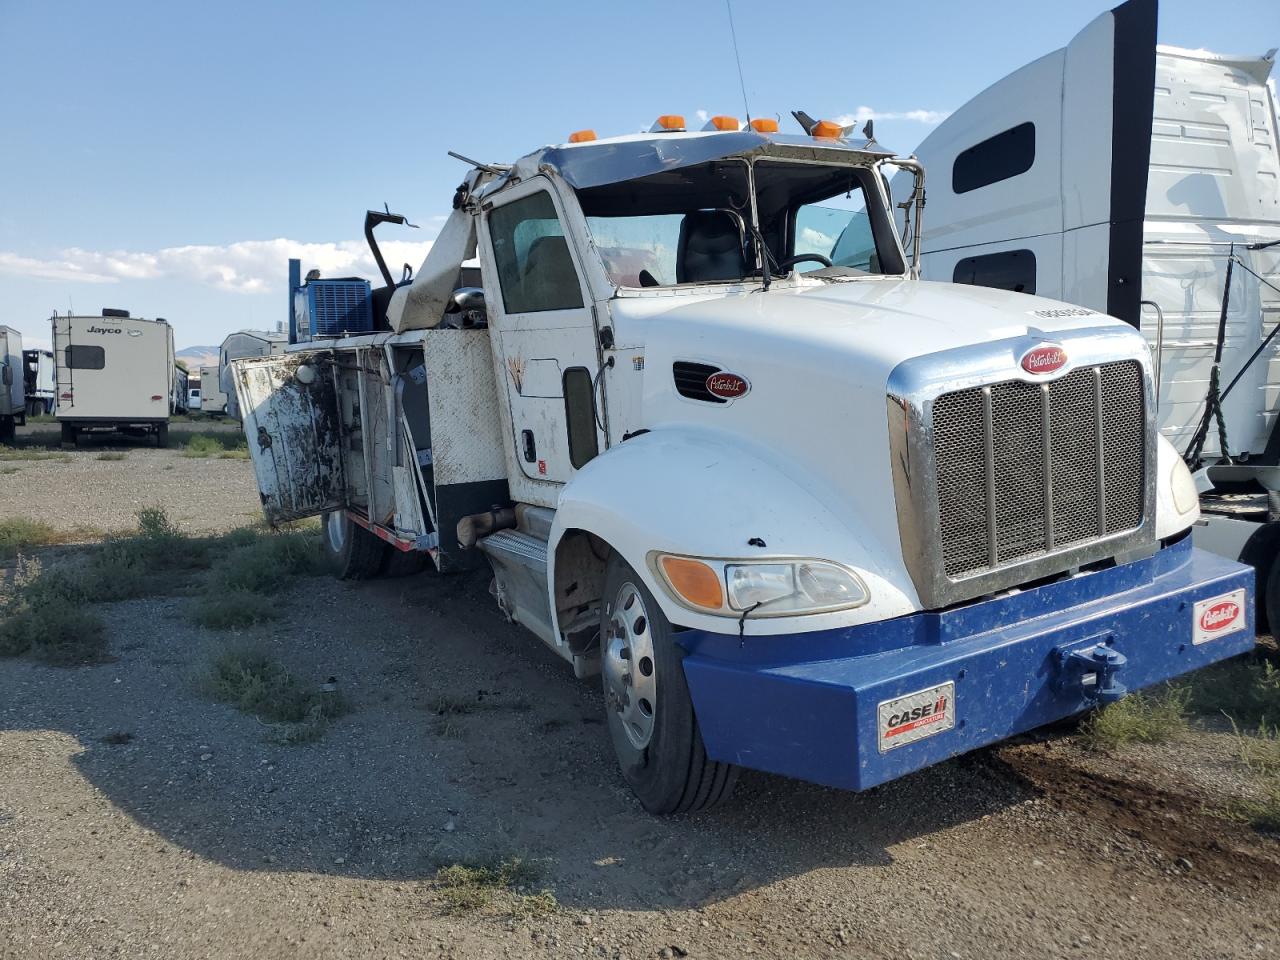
{"points": [[1091, 672]]}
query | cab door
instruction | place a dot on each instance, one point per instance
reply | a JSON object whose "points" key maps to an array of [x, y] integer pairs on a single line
{"points": [[291, 422], [544, 339]]}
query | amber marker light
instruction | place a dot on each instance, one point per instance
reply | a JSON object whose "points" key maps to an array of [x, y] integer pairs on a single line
{"points": [[764, 125], [695, 582], [582, 136], [827, 130]]}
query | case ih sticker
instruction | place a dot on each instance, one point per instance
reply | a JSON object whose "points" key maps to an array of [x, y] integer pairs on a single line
{"points": [[1217, 617], [918, 715], [1044, 359], [727, 386]]}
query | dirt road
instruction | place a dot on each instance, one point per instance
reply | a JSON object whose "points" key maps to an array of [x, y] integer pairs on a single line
{"points": [[139, 818]]}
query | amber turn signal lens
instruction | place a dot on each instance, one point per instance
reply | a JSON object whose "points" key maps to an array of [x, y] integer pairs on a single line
{"points": [[764, 125], [696, 582], [582, 136], [827, 130]]}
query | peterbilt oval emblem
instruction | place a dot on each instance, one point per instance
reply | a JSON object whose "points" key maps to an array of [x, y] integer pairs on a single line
{"points": [[1219, 616], [1044, 359], [727, 386]]}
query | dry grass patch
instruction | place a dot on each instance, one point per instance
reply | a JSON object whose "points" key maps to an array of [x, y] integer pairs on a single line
{"points": [[464, 888], [1150, 717], [249, 679], [222, 446]]}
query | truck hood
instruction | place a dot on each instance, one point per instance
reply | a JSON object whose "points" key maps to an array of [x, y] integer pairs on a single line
{"points": [[878, 322], [818, 361]]}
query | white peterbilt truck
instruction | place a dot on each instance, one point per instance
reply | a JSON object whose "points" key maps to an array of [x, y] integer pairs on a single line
{"points": [[802, 511]]}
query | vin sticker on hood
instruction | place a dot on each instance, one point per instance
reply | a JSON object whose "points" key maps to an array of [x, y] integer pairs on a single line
{"points": [[915, 716]]}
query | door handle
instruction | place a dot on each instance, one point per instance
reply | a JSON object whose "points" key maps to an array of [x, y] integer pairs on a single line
{"points": [[530, 448]]}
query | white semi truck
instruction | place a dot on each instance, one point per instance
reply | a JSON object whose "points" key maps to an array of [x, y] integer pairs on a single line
{"points": [[800, 510], [115, 373], [13, 403], [1144, 181]]}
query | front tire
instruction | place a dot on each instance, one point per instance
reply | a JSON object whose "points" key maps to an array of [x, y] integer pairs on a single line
{"points": [[351, 551], [647, 704]]}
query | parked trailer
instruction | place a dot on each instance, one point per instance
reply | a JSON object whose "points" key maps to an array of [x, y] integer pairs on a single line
{"points": [[1164, 211], [244, 343], [115, 373], [837, 524], [13, 404], [212, 399], [178, 399], [39, 382]]}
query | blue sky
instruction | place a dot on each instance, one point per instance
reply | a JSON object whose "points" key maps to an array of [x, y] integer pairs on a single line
{"points": [[150, 153]]}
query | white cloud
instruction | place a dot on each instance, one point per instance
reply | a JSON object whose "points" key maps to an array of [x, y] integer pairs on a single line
{"points": [[863, 114], [702, 115], [250, 266]]}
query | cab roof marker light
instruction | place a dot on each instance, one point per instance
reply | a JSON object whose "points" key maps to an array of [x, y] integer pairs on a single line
{"points": [[764, 125], [827, 130], [723, 123], [668, 123], [582, 136]]}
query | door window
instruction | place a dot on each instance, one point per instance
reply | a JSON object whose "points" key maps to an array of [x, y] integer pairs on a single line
{"points": [[839, 229], [535, 270]]}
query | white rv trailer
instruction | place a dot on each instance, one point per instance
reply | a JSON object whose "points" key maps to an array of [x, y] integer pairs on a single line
{"points": [[39, 382], [244, 343], [1134, 178], [13, 404], [212, 399], [115, 372]]}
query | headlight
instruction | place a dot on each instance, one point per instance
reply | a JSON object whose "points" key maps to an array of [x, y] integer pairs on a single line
{"points": [[767, 588], [1183, 487]]}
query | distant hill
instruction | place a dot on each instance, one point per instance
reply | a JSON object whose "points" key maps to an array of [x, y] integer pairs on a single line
{"points": [[198, 356]]}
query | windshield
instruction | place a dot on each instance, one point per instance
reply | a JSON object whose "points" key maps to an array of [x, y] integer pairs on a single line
{"points": [[695, 224]]}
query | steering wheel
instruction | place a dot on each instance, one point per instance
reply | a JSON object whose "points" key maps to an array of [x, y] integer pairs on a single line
{"points": [[801, 258]]}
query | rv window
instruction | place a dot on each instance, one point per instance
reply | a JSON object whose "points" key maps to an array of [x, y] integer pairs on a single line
{"points": [[83, 357], [1009, 270], [997, 158], [535, 270]]}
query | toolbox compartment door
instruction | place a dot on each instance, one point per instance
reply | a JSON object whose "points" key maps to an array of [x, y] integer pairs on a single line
{"points": [[293, 428]]}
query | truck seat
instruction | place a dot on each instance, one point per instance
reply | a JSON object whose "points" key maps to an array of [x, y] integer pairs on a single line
{"points": [[549, 280], [710, 248]]}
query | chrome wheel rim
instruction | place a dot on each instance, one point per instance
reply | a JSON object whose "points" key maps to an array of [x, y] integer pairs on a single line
{"points": [[335, 529], [630, 678]]}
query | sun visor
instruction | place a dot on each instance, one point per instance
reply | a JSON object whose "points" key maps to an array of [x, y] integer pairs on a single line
{"points": [[421, 305]]}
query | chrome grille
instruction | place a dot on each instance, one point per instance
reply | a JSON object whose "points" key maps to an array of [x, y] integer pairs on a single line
{"points": [[1024, 469]]}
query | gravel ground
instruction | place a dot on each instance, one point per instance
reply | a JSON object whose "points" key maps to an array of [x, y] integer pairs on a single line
{"points": [[202, 836], [81, 492]]}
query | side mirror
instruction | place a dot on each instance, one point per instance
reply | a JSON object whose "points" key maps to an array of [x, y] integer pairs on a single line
{"points": [[465, 299], [7, 376]]}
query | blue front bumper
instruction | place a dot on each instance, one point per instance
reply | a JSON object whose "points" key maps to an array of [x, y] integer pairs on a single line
{"points": [[856, 707]]}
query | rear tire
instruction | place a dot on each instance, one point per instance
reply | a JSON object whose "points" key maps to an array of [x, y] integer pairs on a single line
{"points": [[647, 704], [162, 435], [68, 435], [351, 551], [8, 429]]}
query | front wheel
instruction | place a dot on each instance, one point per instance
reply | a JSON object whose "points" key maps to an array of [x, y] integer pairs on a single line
{"points": [[351, 551], [647, 704]]}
